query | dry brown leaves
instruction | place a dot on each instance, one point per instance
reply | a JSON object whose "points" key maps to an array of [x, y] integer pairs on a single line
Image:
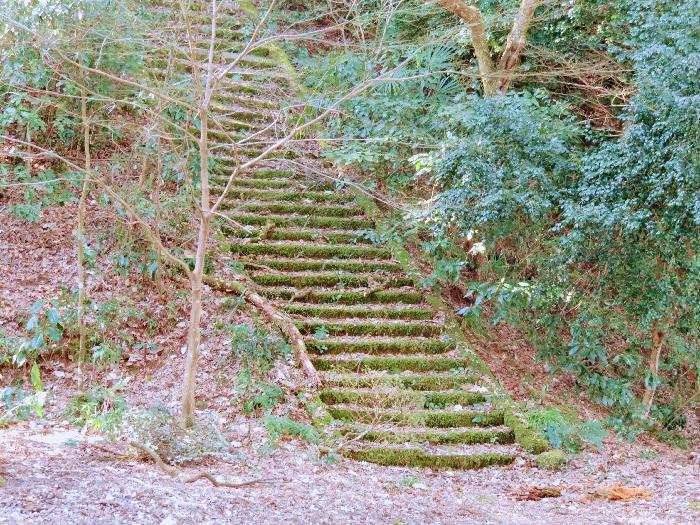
{"points": [[536, 493], [621, 493]]}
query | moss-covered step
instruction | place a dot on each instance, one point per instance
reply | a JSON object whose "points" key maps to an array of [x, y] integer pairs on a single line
{"points": [[372, 327], [274, 207], [252, 219], [327, 279], [501, 435], [377, 345], [359, 312], [241, 182], [343, 265], [307, 249], [231, 97], [415, 457], [273, 233], [415, 381], [339, 296], [417, 417], [417, 363], [398, 398], [282, 196]]}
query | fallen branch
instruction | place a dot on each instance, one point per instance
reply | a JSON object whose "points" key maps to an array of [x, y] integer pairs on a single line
{"points": [[280, 319]]}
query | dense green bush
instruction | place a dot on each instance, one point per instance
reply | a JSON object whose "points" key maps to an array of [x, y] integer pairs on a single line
{"points": [[585, 239]]}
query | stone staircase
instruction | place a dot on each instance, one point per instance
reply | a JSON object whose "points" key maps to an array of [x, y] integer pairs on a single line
{"points": [[400, 389]]}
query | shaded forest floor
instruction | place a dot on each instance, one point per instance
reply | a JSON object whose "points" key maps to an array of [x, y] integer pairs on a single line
{"points": [[54, 474]]}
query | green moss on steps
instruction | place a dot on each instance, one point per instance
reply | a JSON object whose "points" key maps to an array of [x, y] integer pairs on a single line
{"points": [[322, 280], [374, 347], [464, 437], [371, 328], [308, 222], [417, 458], [424, 418], [345, 297], [415, 382], [393, 364], [331, 312], [270, 195], [280, 234], [315, 251], [401, 398], [300, 265], [302, 209]]}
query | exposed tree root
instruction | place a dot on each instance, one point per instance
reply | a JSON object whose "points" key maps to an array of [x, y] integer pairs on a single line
{"points": [[280, 319], [173, 473]]}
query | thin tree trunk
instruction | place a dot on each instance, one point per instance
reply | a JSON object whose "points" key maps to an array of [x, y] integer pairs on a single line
{"points": [[658, 335], [194, 332], [472, 16], [82, 293], [516, 42], [156, 199]]}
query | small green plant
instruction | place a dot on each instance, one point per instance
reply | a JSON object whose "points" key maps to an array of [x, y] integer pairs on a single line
{"points": [[278, 427], [409, 481], [100, 408], [567, 433], [18, 405]]}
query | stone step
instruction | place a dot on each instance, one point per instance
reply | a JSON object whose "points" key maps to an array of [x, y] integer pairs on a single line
{"points": [[444, 458], [417, 417], [379, 346], [375, 327], [390, 363], [326, 279], [282, 207], [308, 197], [394, 434], [400, 399], [306, 249], [309, 234], [382, 269], [375, 311], [411, 380], [352, 296], [251, 219]]}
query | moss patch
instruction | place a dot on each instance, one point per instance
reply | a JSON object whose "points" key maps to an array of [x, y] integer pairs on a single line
{"points": [[309, 222], [465, 437], [414, 398], [322, 279], [340, 297], [551, 460], [414, 382], [418, 458], [357, 313], [429, 418], [393, 364], [359, 328], [390, 346]]}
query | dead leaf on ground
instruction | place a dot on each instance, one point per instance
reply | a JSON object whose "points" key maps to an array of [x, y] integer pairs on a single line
{"points": [[621, 493], [537, 493]]}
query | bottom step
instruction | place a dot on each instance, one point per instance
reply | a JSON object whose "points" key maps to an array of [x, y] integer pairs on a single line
{"points": [[440, 458]]}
